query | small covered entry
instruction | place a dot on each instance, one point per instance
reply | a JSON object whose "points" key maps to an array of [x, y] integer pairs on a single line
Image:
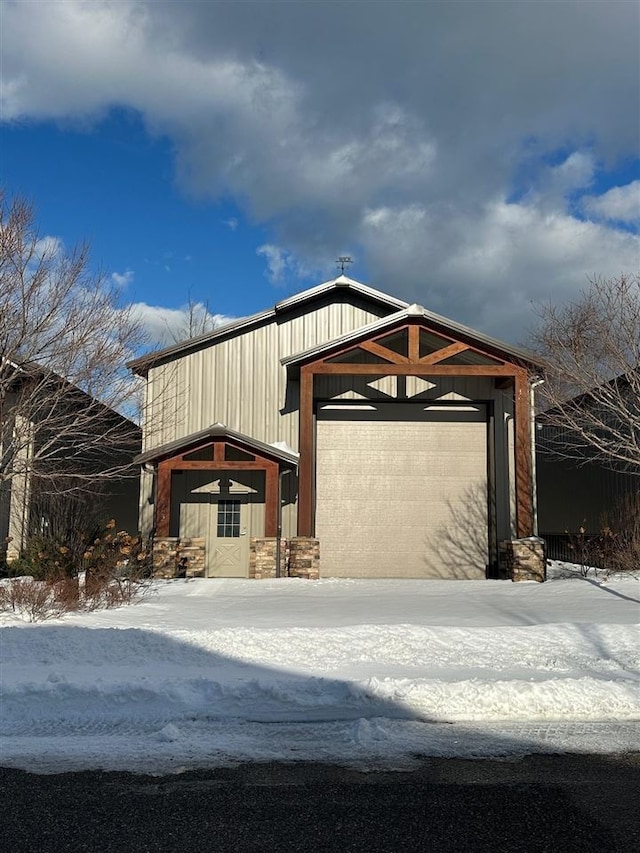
{"points": [[220, 489]]}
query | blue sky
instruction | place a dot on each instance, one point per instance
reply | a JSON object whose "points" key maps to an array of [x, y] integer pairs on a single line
{"points": [[113, 184], [475, 158]]}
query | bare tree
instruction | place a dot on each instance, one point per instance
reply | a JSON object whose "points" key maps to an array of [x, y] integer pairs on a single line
{"points": [[198, 320], [64, 341], [592, 392]]}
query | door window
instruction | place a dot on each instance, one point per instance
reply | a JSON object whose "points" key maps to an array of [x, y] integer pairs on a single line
{"points": [[229, 519]]}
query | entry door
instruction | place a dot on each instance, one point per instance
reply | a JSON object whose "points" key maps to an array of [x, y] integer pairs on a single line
{"points": [[228, 538]]}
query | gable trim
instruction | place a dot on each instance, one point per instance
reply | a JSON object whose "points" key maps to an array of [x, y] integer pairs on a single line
{"points": [[341, 284], [433, 321]]}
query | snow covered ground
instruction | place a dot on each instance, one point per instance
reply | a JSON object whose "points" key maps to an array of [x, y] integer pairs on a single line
{"points": [[368, 673]]}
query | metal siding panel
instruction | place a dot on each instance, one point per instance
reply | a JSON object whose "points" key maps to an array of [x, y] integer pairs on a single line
{"points": [[241, 383]]}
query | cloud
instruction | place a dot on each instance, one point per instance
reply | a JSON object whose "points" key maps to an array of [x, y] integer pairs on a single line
{"points": [[619, 204], [282, 265], [122, 279], [278, 261], [403, 132], [166, 326], [488, 267], [48, 248]]}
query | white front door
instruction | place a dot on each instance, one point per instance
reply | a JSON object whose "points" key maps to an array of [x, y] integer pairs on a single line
{"points": [[227, 510]]}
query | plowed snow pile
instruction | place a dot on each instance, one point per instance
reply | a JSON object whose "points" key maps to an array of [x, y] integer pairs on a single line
{"points": [[372, 673]]}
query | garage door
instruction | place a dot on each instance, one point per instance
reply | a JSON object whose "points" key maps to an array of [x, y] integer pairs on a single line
{"points": [[401, 490]]}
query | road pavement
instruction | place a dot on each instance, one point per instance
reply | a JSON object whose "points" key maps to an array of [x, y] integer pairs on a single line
{"points": [[555, 804]]}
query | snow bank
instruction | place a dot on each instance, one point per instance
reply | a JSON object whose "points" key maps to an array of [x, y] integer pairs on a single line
{"points": [[372, 672]]}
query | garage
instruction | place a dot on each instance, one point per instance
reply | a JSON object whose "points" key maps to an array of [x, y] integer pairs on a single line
{"points": [[401, 489]]}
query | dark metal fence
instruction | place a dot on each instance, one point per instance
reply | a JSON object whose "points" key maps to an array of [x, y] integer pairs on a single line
{"points": [[581, 548]]}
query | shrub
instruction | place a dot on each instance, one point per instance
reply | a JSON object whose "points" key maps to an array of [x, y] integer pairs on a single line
{"points": [[616, 548], [31, 599], [620, 537], [112, 569]]}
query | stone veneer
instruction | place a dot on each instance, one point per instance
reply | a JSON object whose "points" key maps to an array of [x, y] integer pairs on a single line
{"points": [[524, 559], [262, 558], [169, 550], [299, 557], [304, 557]]}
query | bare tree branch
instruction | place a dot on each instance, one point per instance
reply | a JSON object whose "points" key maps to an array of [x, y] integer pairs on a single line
{"points": [[64, 341], [592, 392]]}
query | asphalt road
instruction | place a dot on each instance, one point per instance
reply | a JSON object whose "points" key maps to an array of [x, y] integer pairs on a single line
{"points": [[559, 804]]}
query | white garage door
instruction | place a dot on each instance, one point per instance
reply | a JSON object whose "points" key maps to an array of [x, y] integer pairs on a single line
{"points": [[401, 490]]}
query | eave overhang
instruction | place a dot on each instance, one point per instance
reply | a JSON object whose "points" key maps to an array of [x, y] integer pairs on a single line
{"points": [[287, 458], [434, 322], [341, 284]]}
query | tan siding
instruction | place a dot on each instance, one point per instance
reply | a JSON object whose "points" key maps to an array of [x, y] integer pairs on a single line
{"points": [[240, 382], [402, 492]]}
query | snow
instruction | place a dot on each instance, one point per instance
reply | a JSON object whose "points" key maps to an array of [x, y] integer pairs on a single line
{"points": [[368, 673]]}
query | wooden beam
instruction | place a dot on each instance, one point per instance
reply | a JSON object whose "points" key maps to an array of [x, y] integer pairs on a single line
{"points": [[383, 352], [307, 452], [445, 352], [163, 499], [414, 342], [271, 499], [412, 369], [218, 451], [214, 465], [503, 384], [523, 450]]}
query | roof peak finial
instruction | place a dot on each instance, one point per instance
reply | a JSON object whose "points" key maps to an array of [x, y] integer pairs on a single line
{"points": [[342, 261]]}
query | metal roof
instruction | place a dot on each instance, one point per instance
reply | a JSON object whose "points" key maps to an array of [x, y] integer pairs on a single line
{"points": [[441, 323], [342, 283], [290, 457]]}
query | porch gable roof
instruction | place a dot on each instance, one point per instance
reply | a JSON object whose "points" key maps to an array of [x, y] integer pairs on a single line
{"points": [[288, 457]]}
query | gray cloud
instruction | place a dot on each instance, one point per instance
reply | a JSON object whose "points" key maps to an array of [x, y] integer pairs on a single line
{"points": [[398, 132]]}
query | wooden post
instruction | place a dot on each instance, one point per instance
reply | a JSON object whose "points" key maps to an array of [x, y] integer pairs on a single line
{"points": [[271, 499], [523, 462], [414, 343], [163, 498], [307, 453]]}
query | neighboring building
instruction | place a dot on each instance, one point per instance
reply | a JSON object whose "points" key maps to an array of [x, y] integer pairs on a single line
{"points": [[398, 439], [83, 439], [574, 495]]}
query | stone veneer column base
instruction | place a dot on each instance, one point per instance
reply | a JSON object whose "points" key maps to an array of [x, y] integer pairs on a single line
{"points": [[304, 557], [169, 550], [165, 556], [524, 559], [262, 558]]}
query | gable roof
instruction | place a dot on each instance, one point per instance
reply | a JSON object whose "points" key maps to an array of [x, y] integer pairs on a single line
{"points": [[435, 321], [337, 285], [218, 430], [29, 369]]}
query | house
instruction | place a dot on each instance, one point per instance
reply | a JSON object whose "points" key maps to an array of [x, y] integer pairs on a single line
{"points": [[343, 426], [579, 487], [63, 458]]}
